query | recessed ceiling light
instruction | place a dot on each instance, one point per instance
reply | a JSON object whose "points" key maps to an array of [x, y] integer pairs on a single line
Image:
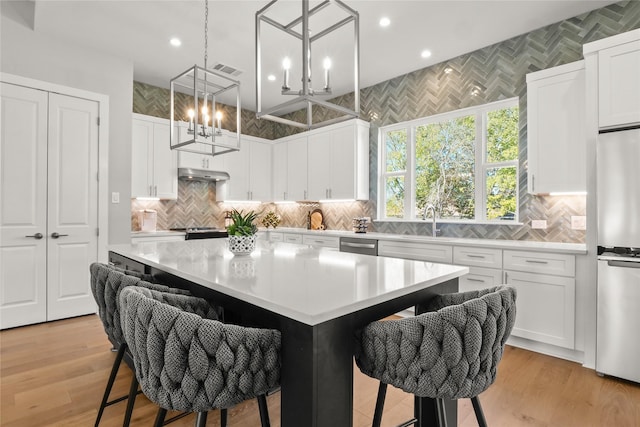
{"points": [[175, 42], [271, 78], [425, 53], [384, 21]]}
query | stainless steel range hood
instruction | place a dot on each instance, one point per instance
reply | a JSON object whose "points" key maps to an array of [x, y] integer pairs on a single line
{"points": [[202, 174]]}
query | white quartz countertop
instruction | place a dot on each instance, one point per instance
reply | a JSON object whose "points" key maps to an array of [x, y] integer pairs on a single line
{"points": [[307, 284], [559, 247]]}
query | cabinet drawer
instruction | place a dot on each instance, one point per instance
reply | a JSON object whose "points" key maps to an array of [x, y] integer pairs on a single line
{"points": [[540, 262], [324, 241], [417, 251], [480, 278], [276, 237], [292, 238], [545, 308], [477, 257]]}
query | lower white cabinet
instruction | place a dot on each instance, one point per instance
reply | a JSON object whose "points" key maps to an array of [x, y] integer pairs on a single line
{"points": [[546, 296], [545, 307], [292, 238], [417, 251], [545, 283], [480, 278], [323, 241]]}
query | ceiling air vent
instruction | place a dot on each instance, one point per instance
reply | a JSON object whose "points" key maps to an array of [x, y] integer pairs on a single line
{"points": [[227, 69]]}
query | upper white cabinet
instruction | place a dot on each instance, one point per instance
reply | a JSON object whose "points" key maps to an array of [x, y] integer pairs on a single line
{"points": [[338, 162], [154, 170], [556, 129], [249, 170], [618, 71], [297, 168], [202, 160], [290, 168]]}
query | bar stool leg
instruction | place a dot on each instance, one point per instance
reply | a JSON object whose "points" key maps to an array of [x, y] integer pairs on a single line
{"points": [[377, 415], [482, 422], [112, 378]]}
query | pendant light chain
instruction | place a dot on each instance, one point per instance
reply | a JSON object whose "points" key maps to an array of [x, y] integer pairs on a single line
{"points": [[206, 32]]}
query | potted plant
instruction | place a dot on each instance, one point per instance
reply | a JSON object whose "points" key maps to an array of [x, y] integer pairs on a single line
{"points": [[242, 232]]}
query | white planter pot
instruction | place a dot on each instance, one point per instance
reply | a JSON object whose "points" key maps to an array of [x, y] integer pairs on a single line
{"points": [[242, 245]]}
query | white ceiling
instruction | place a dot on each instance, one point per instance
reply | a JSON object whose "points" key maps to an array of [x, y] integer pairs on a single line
{"points": [[140, 31]]}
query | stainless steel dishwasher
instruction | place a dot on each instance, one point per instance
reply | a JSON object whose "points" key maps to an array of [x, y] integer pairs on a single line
{"points": [[357, 245]]}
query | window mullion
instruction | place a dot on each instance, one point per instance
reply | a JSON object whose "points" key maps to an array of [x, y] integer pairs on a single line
{"points": [[410, 175], [481, 144]]}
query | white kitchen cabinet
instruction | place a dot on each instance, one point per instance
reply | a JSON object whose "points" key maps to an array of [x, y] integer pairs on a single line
{"points": [[322, 241], [546, 296], [297, 169], [618, 71], [477, 257], [292, 238], [338, 162], [290, 169], [154, 171], [280, 160], [249, 171], [199, 156], [480, 278], [556, 129], [416, 250]]}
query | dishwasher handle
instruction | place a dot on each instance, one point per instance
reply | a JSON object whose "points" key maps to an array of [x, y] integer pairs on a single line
{"points": [[624, 264], [359, 245]]}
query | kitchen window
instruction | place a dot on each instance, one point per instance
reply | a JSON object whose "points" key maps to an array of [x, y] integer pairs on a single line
{"points": [[463, 163]]}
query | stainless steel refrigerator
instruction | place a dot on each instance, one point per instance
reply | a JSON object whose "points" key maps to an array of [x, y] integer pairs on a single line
{"points": [[618, 195]]}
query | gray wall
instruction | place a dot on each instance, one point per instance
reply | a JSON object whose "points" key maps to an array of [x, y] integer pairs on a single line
{"points": [[29, 54]]}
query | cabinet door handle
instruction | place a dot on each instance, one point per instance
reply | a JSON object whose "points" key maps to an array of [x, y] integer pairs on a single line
{"points": [[506, 278], [56, 235], [155, 190], [471, 279], [533, 183], [151, 190], [36, 236], [475, 256], [203, 160], [305, 194], [535, 261], [284, 195]]}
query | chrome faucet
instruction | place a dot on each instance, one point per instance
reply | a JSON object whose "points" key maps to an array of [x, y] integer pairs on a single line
{"points": [[427, 208]]}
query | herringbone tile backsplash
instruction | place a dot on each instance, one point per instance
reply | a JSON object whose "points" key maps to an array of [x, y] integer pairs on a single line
{"points": [[499, 71]]}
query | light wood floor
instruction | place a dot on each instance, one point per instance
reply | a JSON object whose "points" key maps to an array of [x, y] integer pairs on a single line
{"points": [[54, 374]]}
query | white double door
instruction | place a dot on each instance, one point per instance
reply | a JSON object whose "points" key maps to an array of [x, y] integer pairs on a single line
{"points": [[48, 205]]}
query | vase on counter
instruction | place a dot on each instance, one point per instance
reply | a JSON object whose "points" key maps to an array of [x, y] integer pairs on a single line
{"points": [[242, 245]]}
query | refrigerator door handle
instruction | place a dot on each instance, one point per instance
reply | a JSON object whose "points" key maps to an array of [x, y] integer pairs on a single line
{"points": [[625, 264]]}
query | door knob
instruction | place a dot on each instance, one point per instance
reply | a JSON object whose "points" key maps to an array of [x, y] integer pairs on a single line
{"points": [[56, 235], [36, 236]]}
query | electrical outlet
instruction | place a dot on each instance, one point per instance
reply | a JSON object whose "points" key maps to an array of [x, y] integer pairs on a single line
{"points": [[578, 222], [540, 224], [115, 197]]}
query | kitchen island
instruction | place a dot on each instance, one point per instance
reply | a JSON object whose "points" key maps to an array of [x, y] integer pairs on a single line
{"points": [[316, 297]]}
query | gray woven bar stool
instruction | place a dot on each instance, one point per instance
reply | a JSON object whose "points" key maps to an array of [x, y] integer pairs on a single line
{"points": [[106, 284], [450, 352], [185, 362]]}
